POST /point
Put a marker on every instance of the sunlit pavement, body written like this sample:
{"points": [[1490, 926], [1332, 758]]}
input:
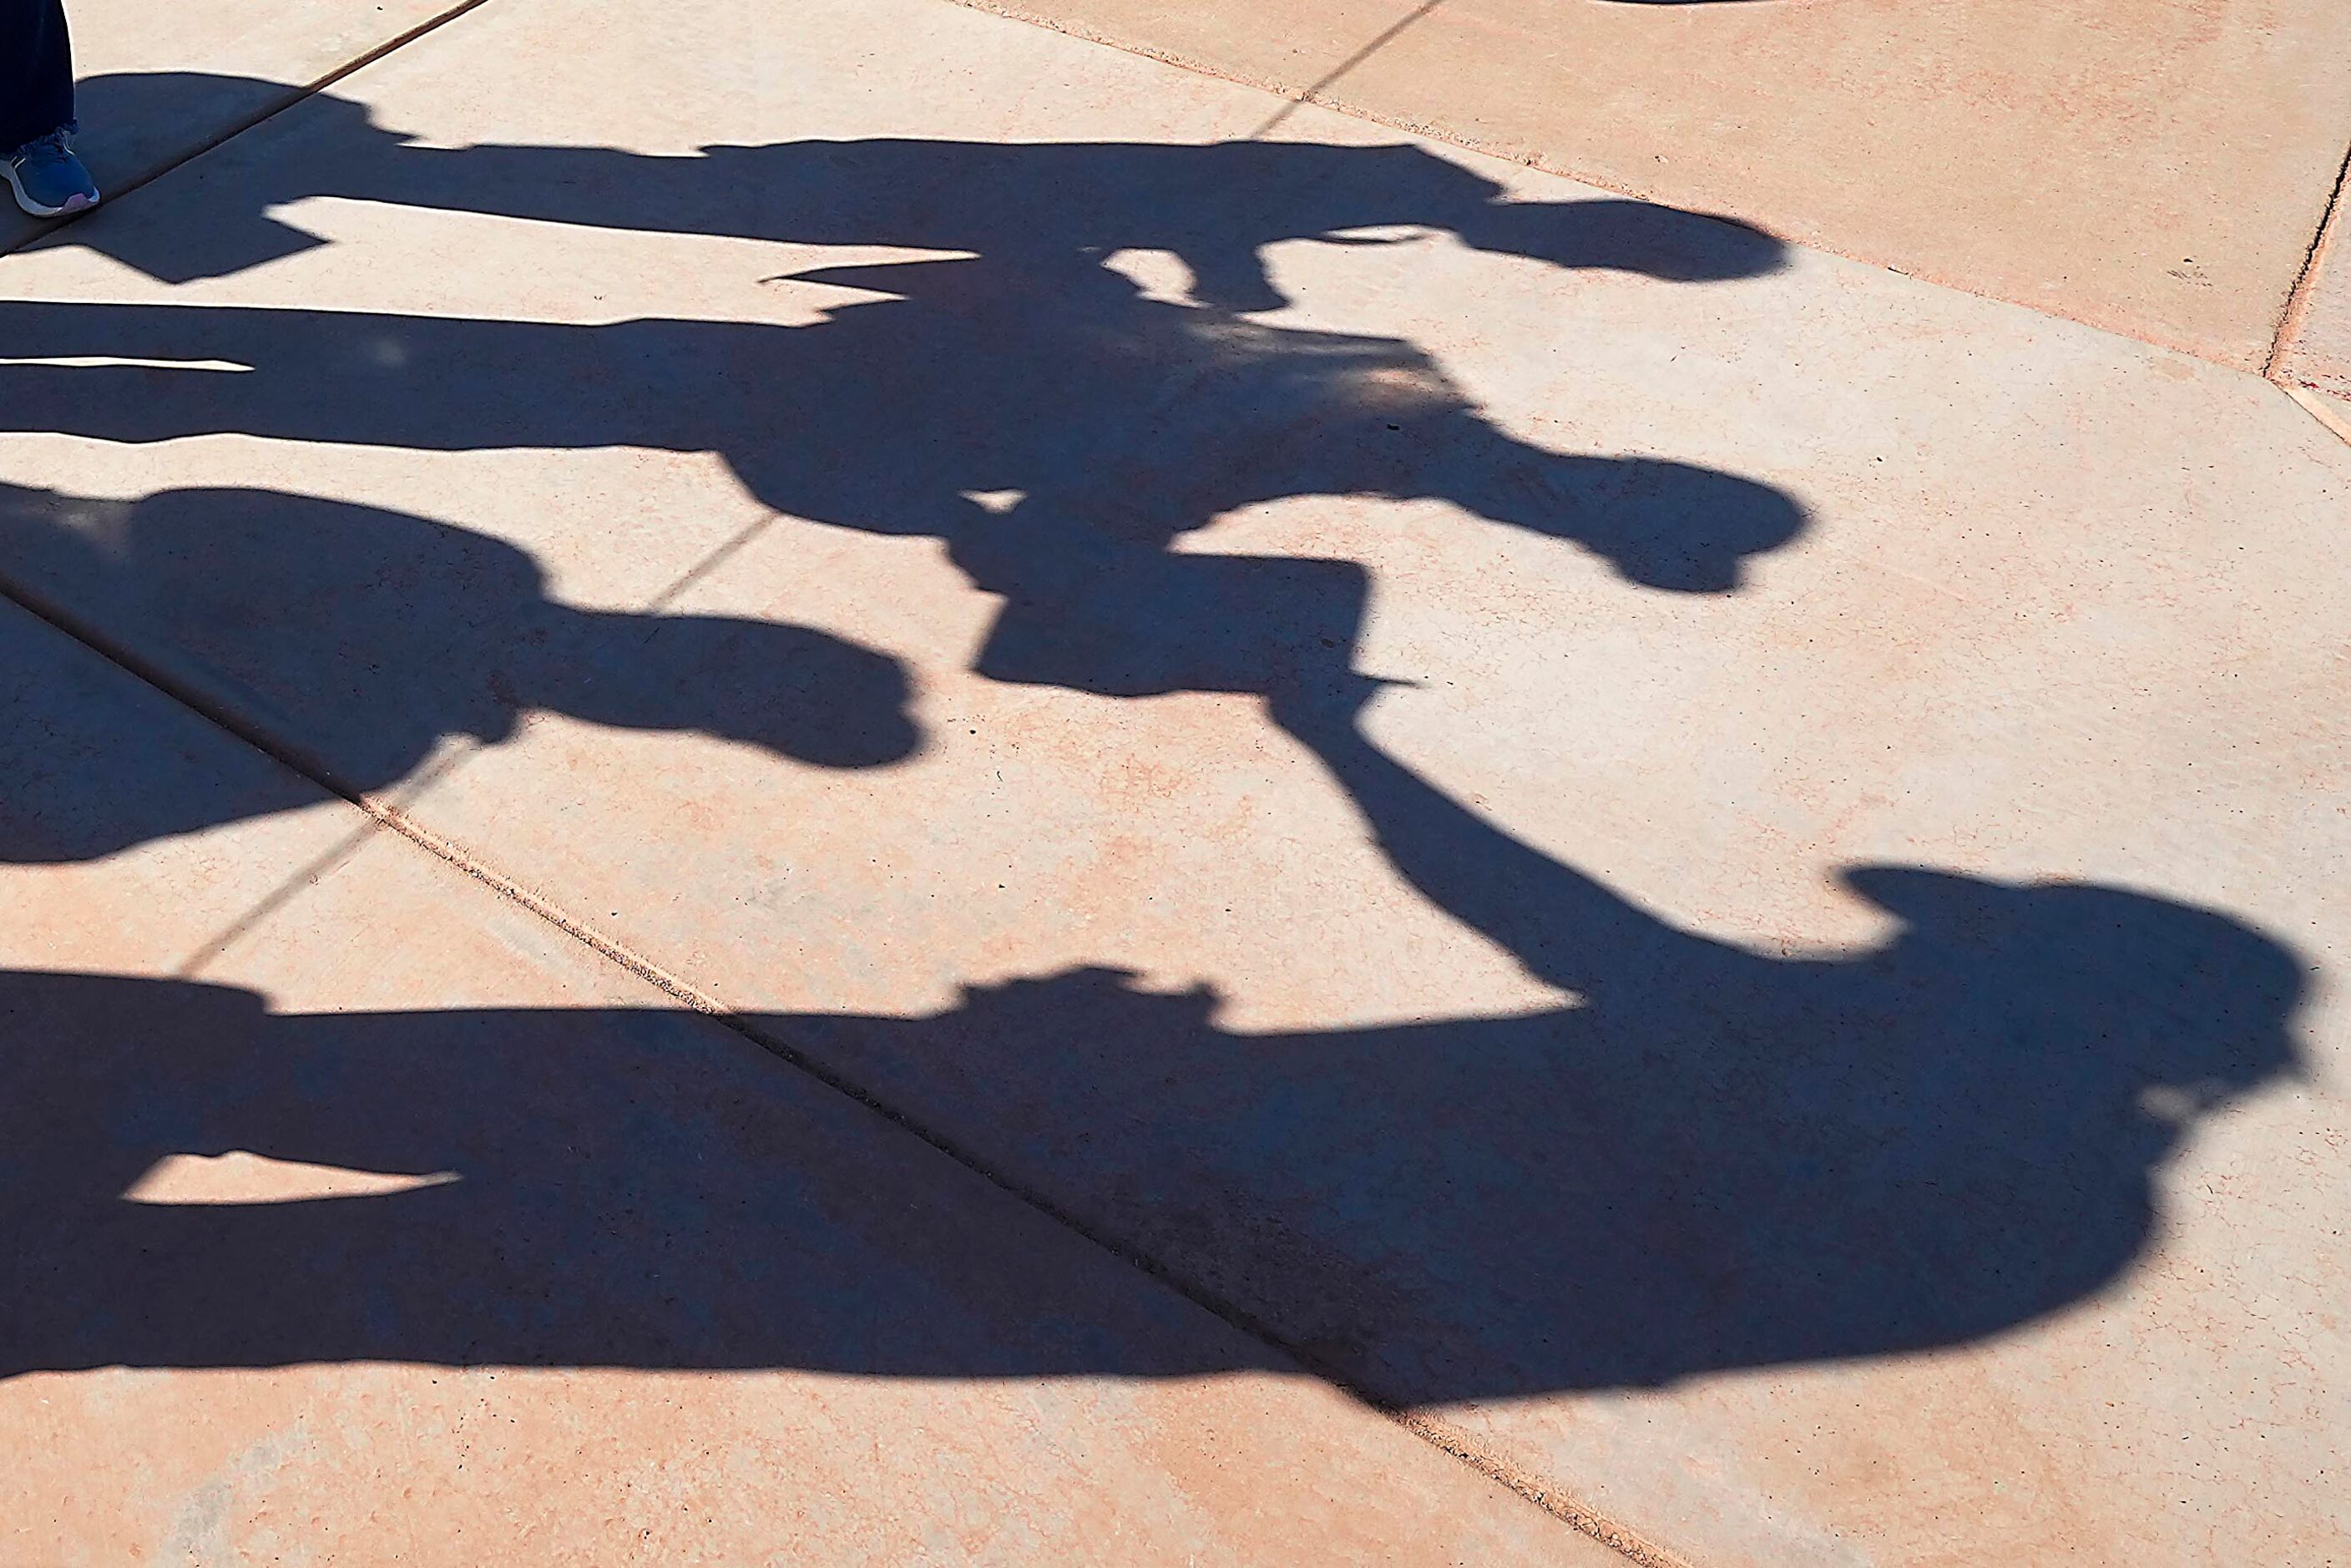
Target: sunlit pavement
{"points": [[873, 783]]}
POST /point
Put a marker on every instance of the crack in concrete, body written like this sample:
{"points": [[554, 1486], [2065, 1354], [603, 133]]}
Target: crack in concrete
{"points": [[2305, 282]]}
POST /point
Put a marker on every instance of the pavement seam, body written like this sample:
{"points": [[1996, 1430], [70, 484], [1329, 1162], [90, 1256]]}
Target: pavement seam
{"points": [[1006, 11], [1313, 91], [2305, 282], [727, 550], [435, 768], [296, 93], [2319, 406], [1626, 1544], [1439, 1433], [204, 954]]}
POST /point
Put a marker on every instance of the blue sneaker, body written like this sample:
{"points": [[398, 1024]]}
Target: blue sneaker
{"points": [[48, 180]]}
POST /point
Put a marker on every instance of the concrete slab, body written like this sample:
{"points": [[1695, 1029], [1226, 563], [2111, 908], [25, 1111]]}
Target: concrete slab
{"points": [[2159, 167], [1803, 1016], [158, 85], [396, 1226]]}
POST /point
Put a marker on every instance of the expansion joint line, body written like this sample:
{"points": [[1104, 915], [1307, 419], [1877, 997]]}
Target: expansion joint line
{"points": [[2305, 282], [1313, 92]]}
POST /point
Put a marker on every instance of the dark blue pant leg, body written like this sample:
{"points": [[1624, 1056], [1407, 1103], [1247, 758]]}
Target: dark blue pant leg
{"points": [[36, 94]]}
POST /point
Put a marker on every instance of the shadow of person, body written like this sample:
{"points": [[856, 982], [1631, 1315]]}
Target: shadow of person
{"points": [[1103, 424], [1716, 1159], [1721, 1159], [360, 637], [1713, 1159], [1029, 405], [1112, 417], [1215, 207], [515, 1188]]}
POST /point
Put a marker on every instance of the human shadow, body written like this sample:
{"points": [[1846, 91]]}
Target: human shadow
{"points": [[358, 637], [1112, 419], [1055, 427], [1712, 1158], [1716, 1158], [1031, 368], [1719, 1160], [585, 1188], [1114, 422], [1215, 207]]}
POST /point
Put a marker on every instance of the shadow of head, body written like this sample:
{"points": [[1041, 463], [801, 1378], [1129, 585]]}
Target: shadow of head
{"points": [[1662, 525], [373, 632], [1218, 207], [791, 690], [2177, 1008], [1644, 237]]}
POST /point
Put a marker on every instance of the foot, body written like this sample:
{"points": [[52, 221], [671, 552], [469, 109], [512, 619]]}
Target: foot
{"points": [[48, 180]]}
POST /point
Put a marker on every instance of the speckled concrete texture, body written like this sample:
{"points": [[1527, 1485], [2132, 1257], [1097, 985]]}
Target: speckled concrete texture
{"points": [[1715, 873]]}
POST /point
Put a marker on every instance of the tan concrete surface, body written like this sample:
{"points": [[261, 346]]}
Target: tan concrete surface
{"points": [[1289, 50], [399, 1227], [2154, 166], [1554, 1052], [157, 82]]}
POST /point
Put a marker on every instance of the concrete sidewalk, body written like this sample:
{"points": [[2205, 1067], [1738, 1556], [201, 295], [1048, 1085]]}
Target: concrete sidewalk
{"points": [[1398, 831], [559, 1169], [2159, 167]]}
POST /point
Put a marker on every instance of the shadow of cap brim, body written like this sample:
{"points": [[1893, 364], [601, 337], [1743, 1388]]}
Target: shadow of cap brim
{"points": [[1665, 243]]}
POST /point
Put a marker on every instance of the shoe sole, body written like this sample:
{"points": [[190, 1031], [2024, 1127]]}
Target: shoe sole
{"points": [[79, 204]]}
